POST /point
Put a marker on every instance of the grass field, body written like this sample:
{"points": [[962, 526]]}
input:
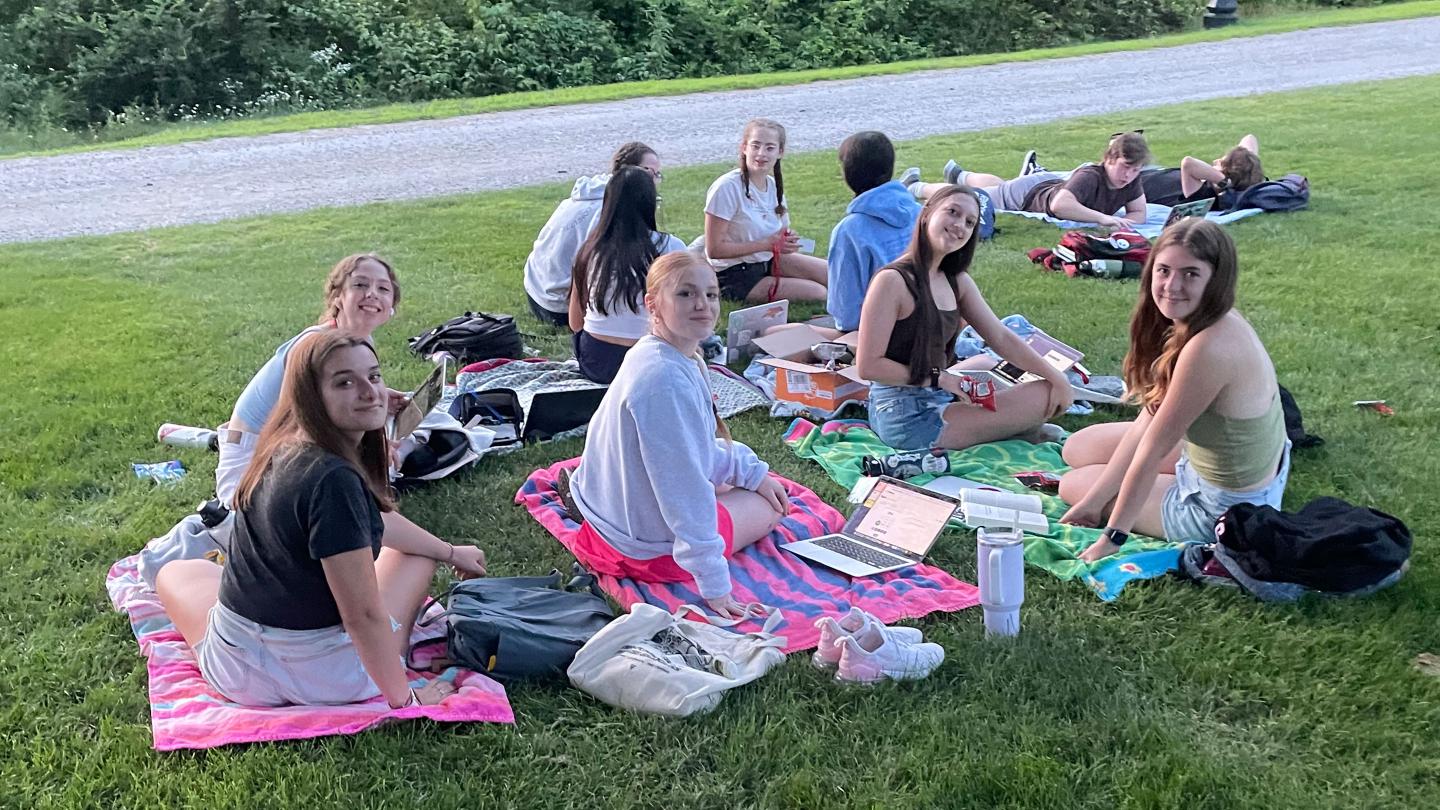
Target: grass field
{"points": [[1169, 697], [1272, 19]]}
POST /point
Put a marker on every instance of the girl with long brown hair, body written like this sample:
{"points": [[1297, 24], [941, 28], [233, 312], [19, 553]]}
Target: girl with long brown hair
{"points": [[1211, 432], [913, 311], [315, 601]]}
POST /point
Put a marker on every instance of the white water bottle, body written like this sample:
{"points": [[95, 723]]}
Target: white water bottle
{"points": [[1000, 564], [186, 436]]}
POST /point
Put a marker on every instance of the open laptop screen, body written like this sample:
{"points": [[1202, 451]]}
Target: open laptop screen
{"points": [[902, 517]]}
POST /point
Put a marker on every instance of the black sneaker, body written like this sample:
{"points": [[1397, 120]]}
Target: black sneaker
{"points": [[1029, 165]]}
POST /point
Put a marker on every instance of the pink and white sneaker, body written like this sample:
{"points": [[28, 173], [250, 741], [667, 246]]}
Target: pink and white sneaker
{"points": [[871, 656], [827, 654]]}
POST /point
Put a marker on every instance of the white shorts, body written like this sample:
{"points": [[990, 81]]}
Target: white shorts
{"points": [[255, 665]]}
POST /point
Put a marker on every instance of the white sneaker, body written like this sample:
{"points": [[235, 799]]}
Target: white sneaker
{"points": [[827, 654], [871, 656]]}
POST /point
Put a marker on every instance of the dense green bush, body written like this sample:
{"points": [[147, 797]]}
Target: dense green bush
{"points": [[79, 63]]}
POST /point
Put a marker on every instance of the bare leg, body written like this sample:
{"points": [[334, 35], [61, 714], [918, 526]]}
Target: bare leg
{"points": [[404, 580], [1149, 522], [1097, 443], [795, 289], [810, 268], [1017, 410], [188, 589], [751, 515], [982, 180]]}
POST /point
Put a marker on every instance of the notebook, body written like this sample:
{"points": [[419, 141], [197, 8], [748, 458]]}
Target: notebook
{"points": [[422, 400], [895, 526], [1198, 208]]}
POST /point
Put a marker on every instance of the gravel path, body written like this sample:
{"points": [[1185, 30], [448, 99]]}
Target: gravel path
{"points": [[208, 181]]}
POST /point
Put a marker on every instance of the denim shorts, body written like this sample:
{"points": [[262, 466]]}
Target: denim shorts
{"points": [[256, 665], [1192, 504], [907, 417]]}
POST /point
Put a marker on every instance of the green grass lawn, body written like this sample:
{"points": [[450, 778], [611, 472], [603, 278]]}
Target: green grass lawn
{"points": [[1169, 697], [1254, 22]]}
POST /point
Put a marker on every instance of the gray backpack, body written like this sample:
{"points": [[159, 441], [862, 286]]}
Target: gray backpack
{"points": [[522, 628]]}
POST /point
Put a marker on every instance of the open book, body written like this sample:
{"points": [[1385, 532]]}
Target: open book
{"points": [[1002, 510]]}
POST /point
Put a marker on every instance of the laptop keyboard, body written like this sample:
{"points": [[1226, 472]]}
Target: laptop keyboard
{"points": [[855, 551]]}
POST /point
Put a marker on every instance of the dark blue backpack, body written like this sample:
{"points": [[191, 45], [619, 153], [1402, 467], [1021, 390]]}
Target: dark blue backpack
{"points": [[1289, 193], [987, 215]]}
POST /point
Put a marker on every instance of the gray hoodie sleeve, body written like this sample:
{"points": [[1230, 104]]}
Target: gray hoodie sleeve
{"points": [[685, 464]]}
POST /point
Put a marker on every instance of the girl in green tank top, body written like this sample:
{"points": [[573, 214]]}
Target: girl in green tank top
{"points": [[1209, 403]]}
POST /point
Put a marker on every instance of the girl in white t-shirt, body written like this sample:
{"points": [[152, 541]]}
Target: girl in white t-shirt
{"points": [[607, 306], [746, 218]]}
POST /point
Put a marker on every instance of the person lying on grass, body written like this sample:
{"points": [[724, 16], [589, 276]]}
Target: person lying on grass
{"points": [[913, 312], [607, 310], [316, 599], [1093, 193], [1211, 432], [746, 219], [361, 293], [552, 257], [1229, 174], [664, 493]]}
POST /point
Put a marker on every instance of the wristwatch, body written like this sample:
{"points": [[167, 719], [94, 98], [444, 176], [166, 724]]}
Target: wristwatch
{"points": [[1115, 536], [934, 377]]}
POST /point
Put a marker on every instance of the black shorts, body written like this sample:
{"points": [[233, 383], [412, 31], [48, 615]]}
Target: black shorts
{"points": [[599, 361], [737, 280]]}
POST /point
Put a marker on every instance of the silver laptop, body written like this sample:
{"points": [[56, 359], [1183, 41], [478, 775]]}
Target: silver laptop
{"points": [[895, 526], [747, 324]]}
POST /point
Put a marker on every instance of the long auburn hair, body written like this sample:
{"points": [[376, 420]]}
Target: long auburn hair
{"points": [[617, 254], [750, 126], [340, 273], [913, 266], [300, 418], [1155, 340], [659, 280]]}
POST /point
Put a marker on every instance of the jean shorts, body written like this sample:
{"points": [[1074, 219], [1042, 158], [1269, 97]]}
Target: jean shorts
{"points": [[1192, 504], [908, 417], [256, 665]]}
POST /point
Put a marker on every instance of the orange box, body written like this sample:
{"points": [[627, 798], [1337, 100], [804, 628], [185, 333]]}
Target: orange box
{"points": [[801, 377]]}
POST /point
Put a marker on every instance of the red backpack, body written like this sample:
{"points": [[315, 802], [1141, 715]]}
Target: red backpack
{"points": [[1119, 255]]}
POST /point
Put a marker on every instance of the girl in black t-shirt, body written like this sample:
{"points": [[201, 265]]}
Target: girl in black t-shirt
{"points": [[308, 608]]}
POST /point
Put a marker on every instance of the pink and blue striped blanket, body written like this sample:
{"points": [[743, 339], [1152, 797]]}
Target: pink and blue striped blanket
{"points": [[763, 573], [186, 713]]}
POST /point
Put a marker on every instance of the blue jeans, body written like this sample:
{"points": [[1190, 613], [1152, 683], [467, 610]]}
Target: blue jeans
{"points": [[1192, 504], [907, 417]]}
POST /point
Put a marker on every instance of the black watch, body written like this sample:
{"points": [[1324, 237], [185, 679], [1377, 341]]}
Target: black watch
{"points": [[1115, 536], [934, 377]]}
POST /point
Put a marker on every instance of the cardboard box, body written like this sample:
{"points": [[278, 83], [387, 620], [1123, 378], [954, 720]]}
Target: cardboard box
{"points": [[800, 377]]}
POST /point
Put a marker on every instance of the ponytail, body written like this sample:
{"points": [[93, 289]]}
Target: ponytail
{"points": [[779, 190]]}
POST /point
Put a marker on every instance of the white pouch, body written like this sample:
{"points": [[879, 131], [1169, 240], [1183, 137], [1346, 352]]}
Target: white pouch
{"points": [[655, 662]]}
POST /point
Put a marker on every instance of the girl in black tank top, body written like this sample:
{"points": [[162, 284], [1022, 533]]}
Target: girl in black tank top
{"points": [[912, 315]]}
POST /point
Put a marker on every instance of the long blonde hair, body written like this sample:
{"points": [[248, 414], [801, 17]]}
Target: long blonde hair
{"points": [[661, 279]]}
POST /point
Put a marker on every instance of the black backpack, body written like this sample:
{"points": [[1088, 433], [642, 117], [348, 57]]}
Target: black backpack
{"points": [[1289, 193], [472, 337], [522, 628], [1328, 546]]}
